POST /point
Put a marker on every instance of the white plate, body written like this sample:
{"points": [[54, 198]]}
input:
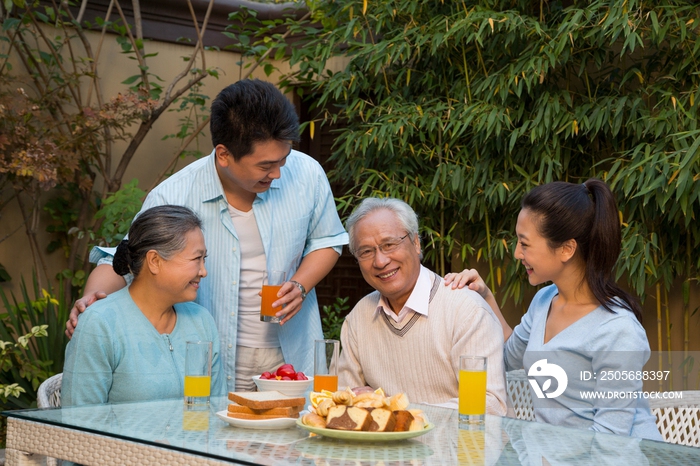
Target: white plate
{"points": [[262, 424]]}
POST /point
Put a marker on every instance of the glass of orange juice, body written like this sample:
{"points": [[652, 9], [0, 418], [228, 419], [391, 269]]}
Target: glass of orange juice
{"points": [[272, 282], [326, 365], [472, 389], [198, 373]]}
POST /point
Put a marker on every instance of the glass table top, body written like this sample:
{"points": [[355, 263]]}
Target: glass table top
{"points": [[502, 441]]}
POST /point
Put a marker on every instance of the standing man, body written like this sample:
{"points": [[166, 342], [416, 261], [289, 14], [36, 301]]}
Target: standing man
{"points": [[263, 207], [409, 334]]}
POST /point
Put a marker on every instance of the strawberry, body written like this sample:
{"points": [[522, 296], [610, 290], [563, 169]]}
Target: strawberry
{"points": [[286, 370]]}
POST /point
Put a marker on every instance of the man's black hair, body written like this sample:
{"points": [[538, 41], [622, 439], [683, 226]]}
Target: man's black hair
{"points": [[250, 111]]}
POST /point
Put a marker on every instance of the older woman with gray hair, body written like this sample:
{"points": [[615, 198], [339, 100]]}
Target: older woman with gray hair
{"points": [[130, 346]]}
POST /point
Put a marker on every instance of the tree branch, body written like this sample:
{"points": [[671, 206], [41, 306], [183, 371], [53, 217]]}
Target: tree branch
{"points": [[137, 50], [57, 60], [143, 130], [12, 232], [198, 46], [136, 5], [179, 152], [83, 4]]}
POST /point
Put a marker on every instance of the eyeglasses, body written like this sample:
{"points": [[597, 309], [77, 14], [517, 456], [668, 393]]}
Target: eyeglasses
{"points": [[386, 247]]}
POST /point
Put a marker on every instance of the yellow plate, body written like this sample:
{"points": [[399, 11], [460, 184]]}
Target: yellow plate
{"points": [[366, 436]]}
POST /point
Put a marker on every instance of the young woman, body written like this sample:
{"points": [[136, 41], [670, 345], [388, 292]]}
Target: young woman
{"points": [[130, 346], [584, 323]]}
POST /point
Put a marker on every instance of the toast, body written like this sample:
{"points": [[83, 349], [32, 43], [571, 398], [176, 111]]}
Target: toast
{"points": [[288, 411], [265, 400], [257, 417]]}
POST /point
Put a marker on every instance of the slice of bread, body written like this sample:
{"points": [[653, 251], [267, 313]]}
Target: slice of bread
{"points": [[265, 400], [287, 411], [257, 417]]}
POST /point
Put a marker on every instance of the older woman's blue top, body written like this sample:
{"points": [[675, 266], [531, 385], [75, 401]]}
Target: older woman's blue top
{"points": [[116, 354]]}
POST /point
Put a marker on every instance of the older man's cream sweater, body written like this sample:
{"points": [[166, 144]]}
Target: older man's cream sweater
{"points": [[420, 356]]}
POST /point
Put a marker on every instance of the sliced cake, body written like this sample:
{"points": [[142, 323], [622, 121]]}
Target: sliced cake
{"points": [[403, 421], [383, 420], [348, 418]]}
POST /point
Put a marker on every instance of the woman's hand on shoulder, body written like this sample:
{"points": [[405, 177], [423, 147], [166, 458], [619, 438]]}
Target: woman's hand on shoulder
{"points": [[469, 278], [472, 280]]}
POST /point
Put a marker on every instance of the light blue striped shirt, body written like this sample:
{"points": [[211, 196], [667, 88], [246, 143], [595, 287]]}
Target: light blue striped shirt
{"points": [[296, 216]]}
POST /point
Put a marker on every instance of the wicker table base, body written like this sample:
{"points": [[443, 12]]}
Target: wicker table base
{"points": [[85, 448]]}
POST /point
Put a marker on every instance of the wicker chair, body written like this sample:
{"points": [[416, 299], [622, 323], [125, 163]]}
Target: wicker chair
{"points": [[519, 392], [49, 396], [678, 419], [49, 393]]}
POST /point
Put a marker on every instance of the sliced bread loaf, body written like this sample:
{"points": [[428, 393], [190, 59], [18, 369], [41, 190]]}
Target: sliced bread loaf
{"points": [[265, 399], [287, 411]]}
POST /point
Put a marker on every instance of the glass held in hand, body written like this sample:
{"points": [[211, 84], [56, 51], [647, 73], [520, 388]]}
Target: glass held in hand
{"points": [[271, 285]]}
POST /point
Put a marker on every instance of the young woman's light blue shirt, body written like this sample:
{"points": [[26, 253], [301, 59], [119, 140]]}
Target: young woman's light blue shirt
{"points": [[601, 354]]}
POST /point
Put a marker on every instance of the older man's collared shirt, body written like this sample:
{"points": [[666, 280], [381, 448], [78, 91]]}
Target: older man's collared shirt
{"points": [[417, 302], [296, 216], [420, 356]]}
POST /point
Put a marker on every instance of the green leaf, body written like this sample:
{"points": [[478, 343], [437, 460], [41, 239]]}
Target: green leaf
{"points": [[132, 79], [4, 275], [10, 23]]}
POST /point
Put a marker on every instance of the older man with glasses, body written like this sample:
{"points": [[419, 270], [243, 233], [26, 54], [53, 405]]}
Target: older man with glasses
{"points": [[408, 335]]}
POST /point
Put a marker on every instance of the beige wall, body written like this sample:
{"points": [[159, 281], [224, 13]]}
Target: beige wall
{"points": [[152, 155]]}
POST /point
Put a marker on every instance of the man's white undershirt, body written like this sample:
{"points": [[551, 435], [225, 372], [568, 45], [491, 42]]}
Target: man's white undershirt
{"points": [[251, 331]]}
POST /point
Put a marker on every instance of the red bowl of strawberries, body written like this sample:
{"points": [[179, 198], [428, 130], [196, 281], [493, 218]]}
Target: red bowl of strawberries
{"points": [[285, 380]]}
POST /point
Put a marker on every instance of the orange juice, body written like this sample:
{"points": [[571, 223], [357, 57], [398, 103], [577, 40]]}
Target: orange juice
{"points": [[472, 392], [195, 420], [197, 385], [471, 447], [269, 296], [325, 382]]}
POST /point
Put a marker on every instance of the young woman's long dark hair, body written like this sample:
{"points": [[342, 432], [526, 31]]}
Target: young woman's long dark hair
{"points": [[588, 214]]}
